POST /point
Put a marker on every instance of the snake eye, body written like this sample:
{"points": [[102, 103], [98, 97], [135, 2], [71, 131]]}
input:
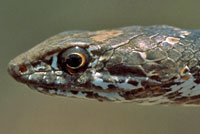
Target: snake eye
{"points": [[73, 60]]}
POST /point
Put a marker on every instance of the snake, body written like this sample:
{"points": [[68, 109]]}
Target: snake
{"points": [[146, 65]]}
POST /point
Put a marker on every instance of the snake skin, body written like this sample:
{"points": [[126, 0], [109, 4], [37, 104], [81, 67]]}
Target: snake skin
{"points": [[148, 65]]}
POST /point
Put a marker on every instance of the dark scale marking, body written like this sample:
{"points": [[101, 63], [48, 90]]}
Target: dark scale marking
{"points": [[155, 77], [194, 98], [168, 85], [74, 92], [182, 99], [95, 96], [197, 76], [125, 70], [110, 86], [192, 87], [134, 83], [129, 95], [173, 95]]}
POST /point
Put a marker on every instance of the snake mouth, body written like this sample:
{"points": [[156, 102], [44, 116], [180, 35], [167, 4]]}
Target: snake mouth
{"points": [[99, 95]]}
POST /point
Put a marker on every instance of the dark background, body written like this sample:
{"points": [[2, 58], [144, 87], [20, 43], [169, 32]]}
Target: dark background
{"points": [[25, 23]]}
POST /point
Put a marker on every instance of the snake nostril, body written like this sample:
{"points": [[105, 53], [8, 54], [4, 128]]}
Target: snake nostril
{"points": [[16, 71], [22, 68]]}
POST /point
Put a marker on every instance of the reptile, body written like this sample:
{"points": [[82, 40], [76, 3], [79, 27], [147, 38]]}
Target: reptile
{"points": [[156, 64]]}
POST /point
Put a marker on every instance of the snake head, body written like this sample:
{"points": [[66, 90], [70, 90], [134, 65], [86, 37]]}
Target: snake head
{"points": [[125, 64]]}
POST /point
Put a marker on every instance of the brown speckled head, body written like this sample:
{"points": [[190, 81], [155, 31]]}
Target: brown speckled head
{"points": [[148, 65]]}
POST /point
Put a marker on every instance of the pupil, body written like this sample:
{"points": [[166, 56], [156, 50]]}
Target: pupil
{"points": [[74, 60]]}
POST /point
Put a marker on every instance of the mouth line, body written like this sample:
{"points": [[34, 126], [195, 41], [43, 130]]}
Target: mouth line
{"points": [[55, 89], [99, 95]]}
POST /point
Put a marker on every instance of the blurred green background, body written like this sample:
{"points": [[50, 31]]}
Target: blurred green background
{"points": [[25, 23]]}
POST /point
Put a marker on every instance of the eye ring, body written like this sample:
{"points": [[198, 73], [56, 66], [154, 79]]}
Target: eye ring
{"points": [[83, 61], [73, 60]]}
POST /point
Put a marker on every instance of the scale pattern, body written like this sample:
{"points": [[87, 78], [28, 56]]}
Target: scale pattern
{"points": [[148, 65]]}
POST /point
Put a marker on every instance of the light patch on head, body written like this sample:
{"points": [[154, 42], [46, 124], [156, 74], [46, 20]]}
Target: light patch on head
{"points": [[36, 75], [98, 81], [65, 93], [111, 96], [143, 55], [184, 73], [30, 77], [54, 61], [60, 80], [93, 64], [187, 88], [59, 73], [172, 40], [184, 33], [78, 95], [40, 89], [70, 94], [106, 34], [78, 43], [39, 67], [52, 91]]}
